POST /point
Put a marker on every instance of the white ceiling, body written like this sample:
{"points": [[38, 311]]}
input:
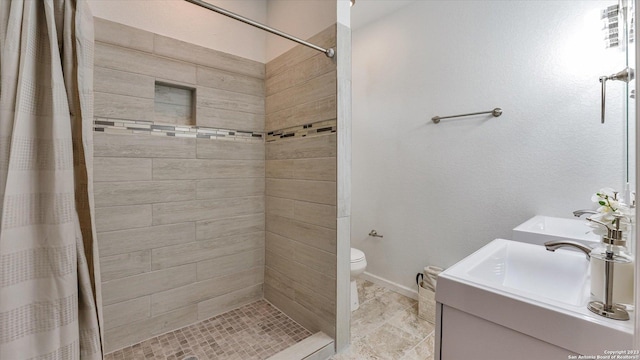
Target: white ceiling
{"points": [[366, 11]]}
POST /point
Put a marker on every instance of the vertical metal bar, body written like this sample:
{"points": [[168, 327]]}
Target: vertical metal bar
{"points": [[603, 97], [608, 281]]}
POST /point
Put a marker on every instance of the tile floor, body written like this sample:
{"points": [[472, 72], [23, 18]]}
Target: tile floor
{"points": [[254, 331], [387, 327]]}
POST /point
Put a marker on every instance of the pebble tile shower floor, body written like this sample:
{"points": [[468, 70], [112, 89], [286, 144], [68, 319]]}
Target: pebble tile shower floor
{"points": [[252, 332]]}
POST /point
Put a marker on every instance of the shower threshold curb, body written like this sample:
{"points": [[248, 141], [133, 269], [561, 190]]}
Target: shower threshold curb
{"points": [[318, 346]]}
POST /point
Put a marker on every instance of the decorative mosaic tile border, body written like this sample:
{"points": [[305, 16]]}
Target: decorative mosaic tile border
{"points": [[128, 127], [307, 130]]}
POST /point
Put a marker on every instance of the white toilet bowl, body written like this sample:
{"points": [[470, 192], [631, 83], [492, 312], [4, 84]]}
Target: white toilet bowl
{"points": [[358, 265]]}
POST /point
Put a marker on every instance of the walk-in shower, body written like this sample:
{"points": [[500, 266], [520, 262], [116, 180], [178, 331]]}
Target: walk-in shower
{"points": [[216, 193]]}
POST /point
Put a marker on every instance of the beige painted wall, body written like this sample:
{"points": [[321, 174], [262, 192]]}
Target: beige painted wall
{"points": [[302, 19], [181, 20], [187, 22]]}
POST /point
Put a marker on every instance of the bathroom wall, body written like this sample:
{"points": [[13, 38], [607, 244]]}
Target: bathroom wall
{"points": [[439, 192], [300, 272], [179, 211], [187, 22], [184, 21], [302, 19]]}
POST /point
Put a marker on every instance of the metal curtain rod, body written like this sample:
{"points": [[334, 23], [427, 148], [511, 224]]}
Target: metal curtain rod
{"points": [[329, 52], [495, 112]]}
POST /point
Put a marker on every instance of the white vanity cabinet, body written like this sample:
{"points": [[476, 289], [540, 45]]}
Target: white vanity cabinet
{"points": [[512, 300], [461, 335]]}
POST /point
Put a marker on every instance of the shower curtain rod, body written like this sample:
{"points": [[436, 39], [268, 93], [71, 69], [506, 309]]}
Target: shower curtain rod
{"points": [[329, 52]]}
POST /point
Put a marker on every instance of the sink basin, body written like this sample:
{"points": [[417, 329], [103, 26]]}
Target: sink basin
{"points": [[562, 276], [539, 293], [540, 229]]}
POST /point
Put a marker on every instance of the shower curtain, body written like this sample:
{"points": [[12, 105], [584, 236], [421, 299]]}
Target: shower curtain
{"points": [[48, 255]]}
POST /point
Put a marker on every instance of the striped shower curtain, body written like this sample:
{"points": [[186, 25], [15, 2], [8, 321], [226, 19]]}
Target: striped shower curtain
{"points": [[48, 253]]}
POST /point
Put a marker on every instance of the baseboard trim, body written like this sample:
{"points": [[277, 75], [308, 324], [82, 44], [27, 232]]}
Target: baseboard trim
{"points": [[390, 285]]}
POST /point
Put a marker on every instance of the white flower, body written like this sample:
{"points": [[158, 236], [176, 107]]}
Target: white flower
{"points": [[607, 192], [606, 197], [610, 209]]}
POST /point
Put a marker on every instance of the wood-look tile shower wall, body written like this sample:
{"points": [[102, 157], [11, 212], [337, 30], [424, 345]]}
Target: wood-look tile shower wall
{"points": [[181, 223], [300, 270]]}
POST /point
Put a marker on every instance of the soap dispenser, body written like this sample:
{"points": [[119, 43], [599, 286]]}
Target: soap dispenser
{"points": [[612, 271]]}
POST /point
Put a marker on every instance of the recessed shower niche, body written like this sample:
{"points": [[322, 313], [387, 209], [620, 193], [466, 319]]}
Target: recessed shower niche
{"points": [[174, 104]]}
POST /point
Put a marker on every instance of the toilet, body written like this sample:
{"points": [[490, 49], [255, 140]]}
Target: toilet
{"points": [[358, 265]]}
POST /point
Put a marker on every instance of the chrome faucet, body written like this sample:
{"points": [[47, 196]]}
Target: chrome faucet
{"points": [[579, 213], [555, 245]]}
